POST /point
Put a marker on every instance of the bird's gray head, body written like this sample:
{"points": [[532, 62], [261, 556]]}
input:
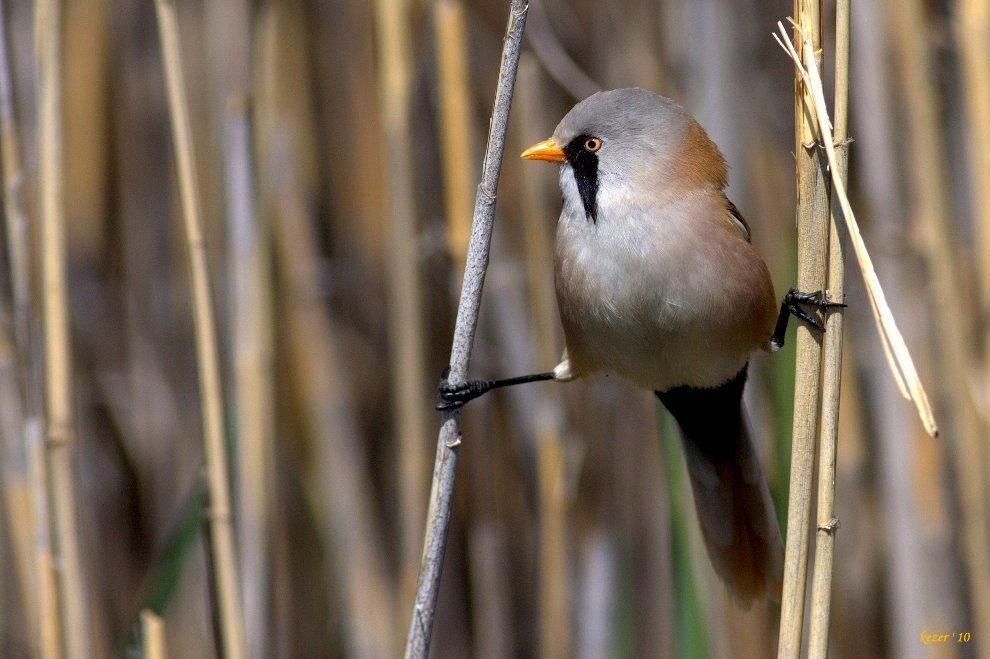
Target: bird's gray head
{"points": [[618, 138]]}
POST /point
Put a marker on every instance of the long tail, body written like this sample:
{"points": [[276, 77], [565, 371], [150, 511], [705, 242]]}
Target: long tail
{"points": [[731, 494]]}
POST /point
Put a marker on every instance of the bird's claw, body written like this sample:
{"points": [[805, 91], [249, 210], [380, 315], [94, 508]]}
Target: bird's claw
{"points": [[453, 396], [817, 298], [794, 298], [791, 306]]}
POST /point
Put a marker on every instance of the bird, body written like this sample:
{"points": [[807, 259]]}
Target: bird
{"points": [[657, 282]]}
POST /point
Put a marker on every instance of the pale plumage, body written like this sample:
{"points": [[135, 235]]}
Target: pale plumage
{"points": [[642, 289], [657, 282]]}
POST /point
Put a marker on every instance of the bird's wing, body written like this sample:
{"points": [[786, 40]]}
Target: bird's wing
{"points": [[740, 221]]}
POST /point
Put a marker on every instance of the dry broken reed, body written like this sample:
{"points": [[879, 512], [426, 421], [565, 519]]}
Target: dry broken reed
{"points": [[901, 364], [899, 359]]}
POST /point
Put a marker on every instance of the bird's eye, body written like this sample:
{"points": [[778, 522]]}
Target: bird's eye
{"points": [[592, 144]]}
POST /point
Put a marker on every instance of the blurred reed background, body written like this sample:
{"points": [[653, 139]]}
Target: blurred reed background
{"points": [[338, 146]]}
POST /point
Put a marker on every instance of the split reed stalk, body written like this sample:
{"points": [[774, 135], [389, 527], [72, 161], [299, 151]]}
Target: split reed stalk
{"points": [[221, 555], [929, 199], [555, 632], [812, 226], [37, 568], [59, 404], [449, 439], [900, 361], [403, 288], [821, 588]]}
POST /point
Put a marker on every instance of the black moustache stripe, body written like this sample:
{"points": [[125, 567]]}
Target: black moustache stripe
{"points": [[585, 166]]}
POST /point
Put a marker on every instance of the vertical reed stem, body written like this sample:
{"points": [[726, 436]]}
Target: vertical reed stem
{"points": [[555, 632], [50, 633], [972, 23], [252, 345], [449, 439], [336, 479], [812, 225], [16, 228], [59, 404], [455, 120], [222, 560], [40, 593], [929, 201], [405, 307], [249, 291], [821, 590], [972, 30], [152, 636]]}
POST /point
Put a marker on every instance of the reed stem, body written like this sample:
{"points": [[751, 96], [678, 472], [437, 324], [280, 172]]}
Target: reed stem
{"points": [[153, 636], [449, 439], [336, 477], [972, 32], [929, 201], [39, 593], [455, 120], [812, 225], [250, 313], [403, 288], [972, 22], [828, 524], [221, 556], [555, 631], [60, 436]]}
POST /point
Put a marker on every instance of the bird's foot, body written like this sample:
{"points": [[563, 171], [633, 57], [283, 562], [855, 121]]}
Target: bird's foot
{"points": [[791, 306], [794, 298], [453, 396]]}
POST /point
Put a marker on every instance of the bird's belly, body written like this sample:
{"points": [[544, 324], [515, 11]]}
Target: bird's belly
{"points": [[659, 323], [658, 352]]}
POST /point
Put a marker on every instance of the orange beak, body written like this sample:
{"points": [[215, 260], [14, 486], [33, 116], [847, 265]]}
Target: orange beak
{"points": [[545, 150]]}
